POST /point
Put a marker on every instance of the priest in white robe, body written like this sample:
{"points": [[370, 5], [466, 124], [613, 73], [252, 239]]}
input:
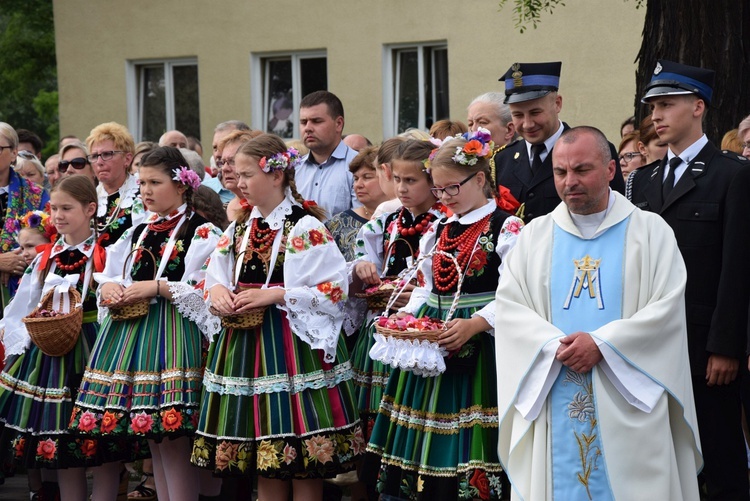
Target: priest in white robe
{"points": [[594, 390]]}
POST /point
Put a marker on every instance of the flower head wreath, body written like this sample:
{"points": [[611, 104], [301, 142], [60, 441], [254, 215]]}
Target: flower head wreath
{"points": [[437, 143], [478, 144], [188, 177], [37, 220], [280, 161]]}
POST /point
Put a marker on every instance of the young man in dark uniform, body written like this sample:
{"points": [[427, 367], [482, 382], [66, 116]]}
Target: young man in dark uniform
{"points": [[525, 167], [704, 195]]}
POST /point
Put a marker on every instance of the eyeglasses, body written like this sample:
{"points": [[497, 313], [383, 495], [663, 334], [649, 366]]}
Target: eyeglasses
{"points": [[627, 157], [104, 155], [452, 189], [77, 163], [27, 155], [745, 146], [5, 148], [225, 161]]}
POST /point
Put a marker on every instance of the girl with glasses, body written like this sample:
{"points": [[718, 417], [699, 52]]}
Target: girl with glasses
{"points": [[386, 246], [434, 435]]}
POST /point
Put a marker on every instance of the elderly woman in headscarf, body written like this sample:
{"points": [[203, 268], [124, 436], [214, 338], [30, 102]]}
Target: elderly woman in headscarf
{"points": [[17, 197]]}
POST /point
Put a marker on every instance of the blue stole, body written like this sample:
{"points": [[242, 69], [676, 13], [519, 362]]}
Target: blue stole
{"points": [[586, 293]]}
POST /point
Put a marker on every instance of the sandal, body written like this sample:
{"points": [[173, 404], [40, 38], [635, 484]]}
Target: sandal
{"points": [[141, 492]]}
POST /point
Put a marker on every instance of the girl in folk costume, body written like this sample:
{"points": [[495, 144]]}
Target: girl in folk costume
{"points": [[37, 390], [435, 433], [143, 377], [277, 398], [387, 246]]}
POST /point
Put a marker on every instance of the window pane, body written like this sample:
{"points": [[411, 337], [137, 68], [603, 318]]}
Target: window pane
{"points": [[440, 85], [313, 75], [153, 103], [280, 97], [186, 104], [408, 90]]}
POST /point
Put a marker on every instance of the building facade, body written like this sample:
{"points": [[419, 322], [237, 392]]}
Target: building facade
{"points": [[190, 64]]}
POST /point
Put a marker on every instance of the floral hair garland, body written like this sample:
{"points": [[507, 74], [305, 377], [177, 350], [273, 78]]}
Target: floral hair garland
{"points": [[36, 220], [188, 177], [437, 143], [280, 161], [478, 144]]}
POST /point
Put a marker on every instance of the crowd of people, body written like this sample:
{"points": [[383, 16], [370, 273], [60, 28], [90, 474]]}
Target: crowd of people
{"points": [[506, 308]]}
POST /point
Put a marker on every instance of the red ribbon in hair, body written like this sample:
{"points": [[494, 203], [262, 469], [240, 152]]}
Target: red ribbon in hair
{"points": [[308, 204], [245, 204], [505, 200], [46, 251]]}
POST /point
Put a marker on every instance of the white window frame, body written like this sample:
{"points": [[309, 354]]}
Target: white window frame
{"points": [[259, 84], [391, 75], [133, 84]]}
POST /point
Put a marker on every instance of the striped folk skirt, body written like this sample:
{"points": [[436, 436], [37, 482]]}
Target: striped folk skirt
{"points": [[272, 406], [36, 399], [143, 381], [436, 437], [370, 377]]}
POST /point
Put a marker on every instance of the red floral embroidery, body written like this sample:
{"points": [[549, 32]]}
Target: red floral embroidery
{"points": [[202, 232], [47, 449], [479, 480], [298, 243], [87, 422], [109, 422], [141, 423], [336, 294], [171, 419], [316, 237], [19, 447], [88, 447], [478, 261], [325, 287]]}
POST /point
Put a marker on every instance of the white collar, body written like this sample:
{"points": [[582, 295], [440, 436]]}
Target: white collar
{"points": [[175, 213], [3, 189], [589, 224], [127, 192], [689, 153], [276, 218], [86, 247], [549, 143], [475, 215]]}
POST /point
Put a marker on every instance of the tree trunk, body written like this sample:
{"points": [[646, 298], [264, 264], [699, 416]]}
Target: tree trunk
{"points": [[711, 34]]}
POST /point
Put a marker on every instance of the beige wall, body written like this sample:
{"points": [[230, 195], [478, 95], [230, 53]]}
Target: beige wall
{"points": [[597, 42]]}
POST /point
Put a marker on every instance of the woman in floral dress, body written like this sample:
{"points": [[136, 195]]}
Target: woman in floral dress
{"points": [[435, 434], [143, 379], [277, 398]]}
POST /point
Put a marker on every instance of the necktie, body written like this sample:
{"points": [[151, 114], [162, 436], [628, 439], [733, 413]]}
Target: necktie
{"points": [[666, 188], [536, 162]]}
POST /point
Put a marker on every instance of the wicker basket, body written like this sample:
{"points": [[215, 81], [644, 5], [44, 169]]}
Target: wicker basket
{"points": [[378, 300], [57, 335], [135, 308], [431, 336], [426, 335], [247, 320]]}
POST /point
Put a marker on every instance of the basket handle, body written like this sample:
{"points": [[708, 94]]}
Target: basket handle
{"points": [[411, 271], [388, 250], [240, 263], [130, 254]]}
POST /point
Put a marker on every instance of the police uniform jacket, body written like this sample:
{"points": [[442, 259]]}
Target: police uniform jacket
{"points": [[537, 192], [709, 211]]}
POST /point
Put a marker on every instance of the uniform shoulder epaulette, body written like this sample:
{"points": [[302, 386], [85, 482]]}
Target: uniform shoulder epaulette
{"points": [[735, 156]]}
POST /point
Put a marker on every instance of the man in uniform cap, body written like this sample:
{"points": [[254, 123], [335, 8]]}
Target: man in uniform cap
{"points": [[525, 167], [702, 193]]}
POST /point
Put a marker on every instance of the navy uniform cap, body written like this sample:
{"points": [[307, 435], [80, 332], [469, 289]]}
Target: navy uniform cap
{"points": [[527, 81], [671, 79]]}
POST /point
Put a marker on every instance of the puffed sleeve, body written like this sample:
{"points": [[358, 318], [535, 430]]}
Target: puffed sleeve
{"points": [[423, 272], [221, 265], [316, 286], [187, 295], [27, 297], [505, 242], [369, 243]]}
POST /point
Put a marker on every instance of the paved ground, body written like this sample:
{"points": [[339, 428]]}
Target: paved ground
{"points": [[16, 488]]}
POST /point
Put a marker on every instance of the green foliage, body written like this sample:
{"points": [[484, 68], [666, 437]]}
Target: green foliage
{"points": [[28, 71], [530, 11]]}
